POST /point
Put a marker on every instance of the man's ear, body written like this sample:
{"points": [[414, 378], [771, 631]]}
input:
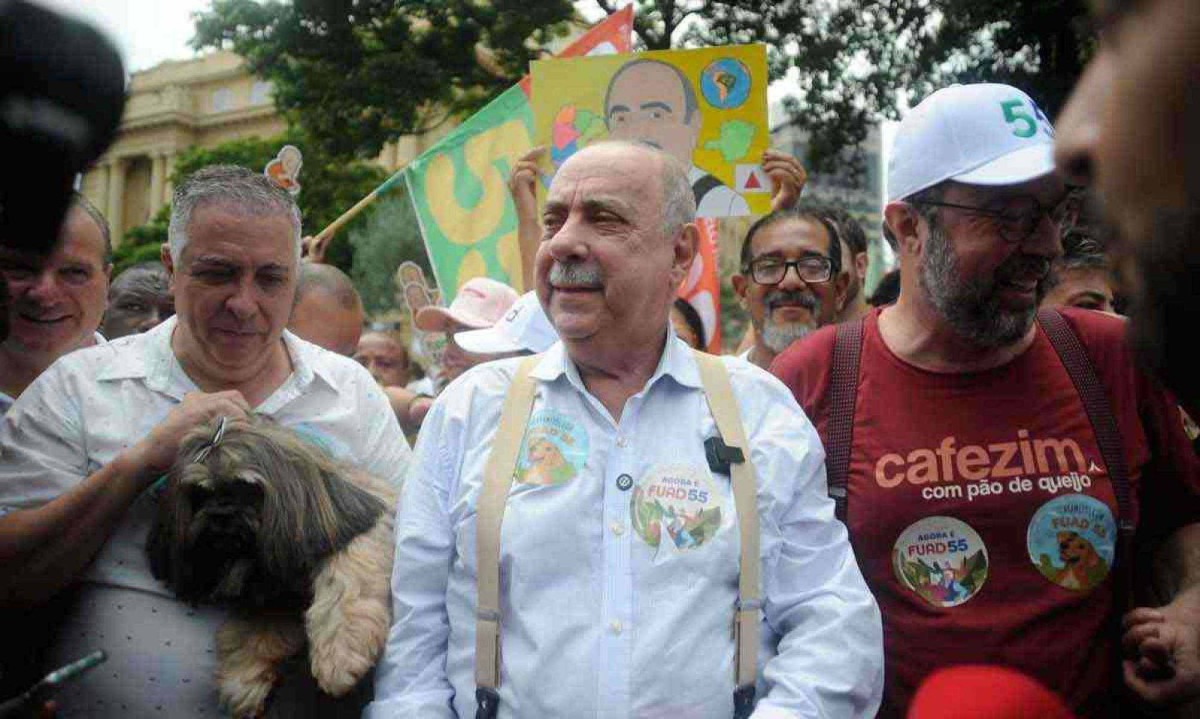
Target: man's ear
{"points": [[861, 261], [841, 282], [740, 285], [164, 254], [902, 219], [687, 246]]}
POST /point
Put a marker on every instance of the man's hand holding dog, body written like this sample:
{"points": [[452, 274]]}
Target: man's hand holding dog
{"points": [[156, 452]]}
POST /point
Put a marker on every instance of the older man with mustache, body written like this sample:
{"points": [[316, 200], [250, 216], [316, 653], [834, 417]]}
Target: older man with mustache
{"points": [[791, 281], [613, 587], [964, 436]]}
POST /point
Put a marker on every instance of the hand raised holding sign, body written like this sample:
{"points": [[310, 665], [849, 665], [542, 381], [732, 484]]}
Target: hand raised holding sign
{"points": [[788, 178]]}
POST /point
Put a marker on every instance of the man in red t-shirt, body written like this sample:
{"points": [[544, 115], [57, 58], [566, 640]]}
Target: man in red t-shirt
{"points": [[979, 501]]}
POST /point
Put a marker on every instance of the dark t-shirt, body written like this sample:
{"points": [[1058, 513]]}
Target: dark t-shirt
{"points": [[980, 508]]}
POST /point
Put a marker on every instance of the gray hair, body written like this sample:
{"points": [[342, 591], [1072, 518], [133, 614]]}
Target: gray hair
{"points": [[235, 187], [678, 200], [929, 194]]}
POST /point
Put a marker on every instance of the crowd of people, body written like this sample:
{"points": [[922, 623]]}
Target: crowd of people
{"points": [[969, 493]]}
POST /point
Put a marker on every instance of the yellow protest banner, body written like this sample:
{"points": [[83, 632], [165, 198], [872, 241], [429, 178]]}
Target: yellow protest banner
{"points": [[707, 107]]}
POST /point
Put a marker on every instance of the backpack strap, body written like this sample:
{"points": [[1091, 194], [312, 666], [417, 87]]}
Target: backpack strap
{"points": [[493, 496], [1104, 425], [719, 392], [843, 390]]}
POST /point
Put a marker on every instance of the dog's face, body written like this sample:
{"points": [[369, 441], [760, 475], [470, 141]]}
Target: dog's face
{"points": [[1073, 549], [248, 522]]}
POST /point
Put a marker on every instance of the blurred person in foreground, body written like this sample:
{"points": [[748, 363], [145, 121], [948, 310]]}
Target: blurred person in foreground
{"points": [[138, 300], [55, 303], [613, 442], [1131, 130], [999, 468], [328, 311]]}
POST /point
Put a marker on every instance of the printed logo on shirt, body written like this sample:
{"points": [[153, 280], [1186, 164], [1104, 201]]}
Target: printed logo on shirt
{"points": [[942, 560], [973, 471], [1072, 541], [554, 450], [677, 503]]}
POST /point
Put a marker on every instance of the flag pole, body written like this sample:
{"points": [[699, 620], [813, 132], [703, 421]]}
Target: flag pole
{"points": [[333, 227]]}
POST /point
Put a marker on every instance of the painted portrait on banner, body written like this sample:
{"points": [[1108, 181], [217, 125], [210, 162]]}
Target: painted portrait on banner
{"points": [[707, 107]]}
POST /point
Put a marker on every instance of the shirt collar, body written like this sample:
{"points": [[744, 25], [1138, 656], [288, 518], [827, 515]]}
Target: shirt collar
{"points": [[676, 362], [160, 368]]}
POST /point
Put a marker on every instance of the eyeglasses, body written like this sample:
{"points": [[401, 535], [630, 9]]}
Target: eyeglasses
{"points": [[1017, 220], [772, 270]]}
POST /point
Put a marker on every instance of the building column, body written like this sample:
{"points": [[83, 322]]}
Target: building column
{"points": [[103, 171], [158, 171], [116, 199], [168, 170]]}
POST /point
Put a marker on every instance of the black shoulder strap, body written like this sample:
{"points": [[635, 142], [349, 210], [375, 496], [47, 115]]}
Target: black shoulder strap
{"points": [[1104, 424], [843, 390], [703, 186]]}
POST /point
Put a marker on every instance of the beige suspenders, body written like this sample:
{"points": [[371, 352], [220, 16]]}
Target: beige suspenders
{"points": [[497, 480]]}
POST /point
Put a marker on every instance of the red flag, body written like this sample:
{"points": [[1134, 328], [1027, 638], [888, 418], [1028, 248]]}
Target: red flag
{"points": [[702, 287], [613, 35]]}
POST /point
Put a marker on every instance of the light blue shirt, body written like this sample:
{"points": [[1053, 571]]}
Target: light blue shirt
{"points": [[619, 558]]}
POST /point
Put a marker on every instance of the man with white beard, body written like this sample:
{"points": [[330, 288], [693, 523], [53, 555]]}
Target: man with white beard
{"points": [[791, 281]]}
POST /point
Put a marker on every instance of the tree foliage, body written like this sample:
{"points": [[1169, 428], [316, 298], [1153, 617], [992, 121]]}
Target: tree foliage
{"points": [[355, 74], [328, 187], [390, 236], [859, 61]]}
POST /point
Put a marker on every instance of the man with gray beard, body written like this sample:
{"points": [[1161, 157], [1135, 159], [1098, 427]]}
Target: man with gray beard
{"points": [[994, 464], [791, 281]]}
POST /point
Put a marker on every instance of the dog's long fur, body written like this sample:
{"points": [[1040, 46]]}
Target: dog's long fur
{"points": [[299, 546]]}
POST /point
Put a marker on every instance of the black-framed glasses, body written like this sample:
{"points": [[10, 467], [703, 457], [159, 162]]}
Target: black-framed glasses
{"points": [[1017, 220], [772, 270]]}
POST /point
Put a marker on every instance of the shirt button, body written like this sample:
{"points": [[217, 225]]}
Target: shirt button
{"points": [[617, 528], [615, 626], [624, 482], [621, 442]]}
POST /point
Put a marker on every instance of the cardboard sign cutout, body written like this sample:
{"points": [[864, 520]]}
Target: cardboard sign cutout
{"points": [[707, 107]]}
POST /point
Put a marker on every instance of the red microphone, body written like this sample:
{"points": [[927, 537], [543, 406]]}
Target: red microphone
{"points": [[985, 692]]}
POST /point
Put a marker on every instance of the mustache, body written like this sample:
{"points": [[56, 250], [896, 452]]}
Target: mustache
{"points": [[1023, 267], [806, 300], [576, 274]]}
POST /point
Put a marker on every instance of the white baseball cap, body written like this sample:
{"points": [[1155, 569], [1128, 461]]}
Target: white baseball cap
{"points": [[983, 134], [524, 327], [480, 302]]}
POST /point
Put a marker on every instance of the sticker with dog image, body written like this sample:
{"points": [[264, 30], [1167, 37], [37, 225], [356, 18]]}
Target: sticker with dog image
{"points": [[554, 450], [1072, 541], [678, 503], [942, 560]]}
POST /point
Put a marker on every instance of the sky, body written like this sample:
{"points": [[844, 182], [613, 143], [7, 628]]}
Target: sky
{"points": [[145, 31]]}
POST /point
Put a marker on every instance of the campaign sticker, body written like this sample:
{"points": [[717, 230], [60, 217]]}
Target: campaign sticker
{"points": [[1072, 540], [678, 503], [554, 450], [941, 559]]}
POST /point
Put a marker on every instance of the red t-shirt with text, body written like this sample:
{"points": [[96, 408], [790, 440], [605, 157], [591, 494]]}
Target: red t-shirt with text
{"points": [[980, 509]]}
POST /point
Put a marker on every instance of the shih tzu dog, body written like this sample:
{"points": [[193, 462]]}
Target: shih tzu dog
{"points": [[298, 546]]}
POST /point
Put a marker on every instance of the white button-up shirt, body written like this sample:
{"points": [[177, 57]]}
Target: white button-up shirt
{"points": [[89, 406], [619, 557]]}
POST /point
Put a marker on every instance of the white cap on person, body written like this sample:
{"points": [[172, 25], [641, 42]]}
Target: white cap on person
{"points": [[524, 327], [982, 134], [480, 302]]}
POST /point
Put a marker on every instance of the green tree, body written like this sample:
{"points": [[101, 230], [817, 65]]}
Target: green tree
{"points": [[328, 187], [859, 61], [389, 236], [355, 74]]}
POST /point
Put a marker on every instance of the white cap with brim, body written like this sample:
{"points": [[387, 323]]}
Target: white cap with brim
{"points": [[524, 328], [982, 134]]}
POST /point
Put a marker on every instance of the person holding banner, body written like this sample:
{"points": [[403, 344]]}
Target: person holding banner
{"points": [[634, 525]]}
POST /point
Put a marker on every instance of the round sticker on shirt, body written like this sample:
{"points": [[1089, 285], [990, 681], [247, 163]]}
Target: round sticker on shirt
{"points": [[678, 503], [1072, 541], [942, 560], [554, 450]]}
